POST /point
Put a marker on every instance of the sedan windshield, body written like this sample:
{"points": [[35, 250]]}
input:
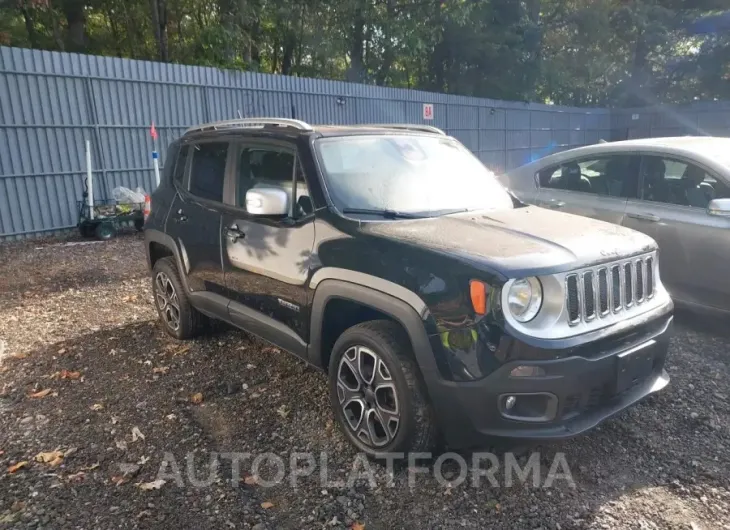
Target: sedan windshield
{"points": [[400, 175]]}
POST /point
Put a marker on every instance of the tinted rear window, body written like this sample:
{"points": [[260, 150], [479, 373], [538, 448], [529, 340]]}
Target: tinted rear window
{"points": [[208, 170]]}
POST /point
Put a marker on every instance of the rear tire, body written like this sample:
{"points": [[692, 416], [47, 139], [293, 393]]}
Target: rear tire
{"points": [[178, 317], [376, 391]]}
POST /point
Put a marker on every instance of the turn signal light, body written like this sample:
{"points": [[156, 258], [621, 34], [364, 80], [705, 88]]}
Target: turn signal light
{"points": [[478, 291]]}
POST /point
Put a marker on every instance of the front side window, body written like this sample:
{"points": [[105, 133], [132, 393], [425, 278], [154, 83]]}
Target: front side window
{"points": [[613, 176], [264, 167], [208, 170], [419, 175], [677, 182]]}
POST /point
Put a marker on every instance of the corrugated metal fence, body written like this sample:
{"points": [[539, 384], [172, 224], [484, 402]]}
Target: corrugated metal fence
{"points": [[51, 102], [697, 119]]}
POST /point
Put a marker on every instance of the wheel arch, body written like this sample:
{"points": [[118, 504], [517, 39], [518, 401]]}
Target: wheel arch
{"points": [[159, 245], [375, 302]]}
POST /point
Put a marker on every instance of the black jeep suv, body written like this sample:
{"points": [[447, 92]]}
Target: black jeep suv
{"points": [[391, 258]]}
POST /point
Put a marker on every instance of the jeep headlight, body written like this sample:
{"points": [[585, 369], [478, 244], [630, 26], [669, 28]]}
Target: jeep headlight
{"points": [[524, 299]]}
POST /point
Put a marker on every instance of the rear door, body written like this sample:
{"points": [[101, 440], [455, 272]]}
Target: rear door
{"points": [[267, 262], [194, 221], [595, 187], [694, 246]]}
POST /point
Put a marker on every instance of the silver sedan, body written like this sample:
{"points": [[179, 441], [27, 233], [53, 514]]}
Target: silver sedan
{"points": [[676, 190]]}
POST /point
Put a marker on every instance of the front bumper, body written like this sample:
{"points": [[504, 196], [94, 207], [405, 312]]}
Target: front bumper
{"points": [[582, 390]]}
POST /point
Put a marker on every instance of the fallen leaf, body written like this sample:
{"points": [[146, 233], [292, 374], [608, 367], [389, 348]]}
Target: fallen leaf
{"points": [[154, 485], [121, 444], [357, 526], [283, 411], [137, 434], [196, 398], [251, 480], [182, 350], [52, 458], [267, 504], [41, 394], [97, 407], [118, 481], [20, 465], [76, 476], [160, 369], [65, 374], [2, 453], [142, 461], [61, 351], [19, 356], [70, 451], [270, 350], [92, 467]]}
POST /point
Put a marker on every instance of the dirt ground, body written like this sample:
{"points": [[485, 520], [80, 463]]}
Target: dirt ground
{"points": [[94, 397]]}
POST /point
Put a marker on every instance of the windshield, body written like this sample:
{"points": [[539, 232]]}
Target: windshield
{"points": [[428, 175]]}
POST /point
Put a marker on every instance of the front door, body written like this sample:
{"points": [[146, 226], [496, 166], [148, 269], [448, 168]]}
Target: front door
{"points": [[195, 216], [266, 259], [595, 187], [694, 246]]}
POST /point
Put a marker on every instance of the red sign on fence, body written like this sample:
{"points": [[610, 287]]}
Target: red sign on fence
{"points": [[428, 111]]}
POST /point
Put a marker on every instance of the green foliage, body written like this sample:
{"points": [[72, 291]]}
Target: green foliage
{"points": [[578, 52]]}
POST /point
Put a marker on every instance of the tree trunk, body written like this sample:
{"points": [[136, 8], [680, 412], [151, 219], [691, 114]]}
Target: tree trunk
{"points": [[29, 27], [639, 74], [76, 22], [159, 23], [389, 52], [356, 71]]}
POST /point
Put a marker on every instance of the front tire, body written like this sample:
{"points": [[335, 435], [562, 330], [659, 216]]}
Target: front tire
{"points": [[376, 392], [178, 317]]}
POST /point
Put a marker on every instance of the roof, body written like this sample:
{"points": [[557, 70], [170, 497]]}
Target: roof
{"points": [[714, 151], [298, 126]]}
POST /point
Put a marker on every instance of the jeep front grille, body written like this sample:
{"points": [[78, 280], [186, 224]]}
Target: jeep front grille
{"points": [[597, 291]]}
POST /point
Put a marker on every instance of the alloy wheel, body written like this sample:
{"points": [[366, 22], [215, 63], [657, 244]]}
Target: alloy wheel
{"points": [[167, 300], [367, 395]]}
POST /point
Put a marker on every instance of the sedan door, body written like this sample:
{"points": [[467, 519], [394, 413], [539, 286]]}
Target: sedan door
{"points": [[595, 187], [694, 246]]}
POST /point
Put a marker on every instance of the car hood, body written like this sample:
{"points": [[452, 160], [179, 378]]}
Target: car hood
{"points": [[519, 242]]}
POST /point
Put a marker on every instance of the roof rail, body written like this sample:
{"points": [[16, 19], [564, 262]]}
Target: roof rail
{"points": [[251, 123], [405, 126]]}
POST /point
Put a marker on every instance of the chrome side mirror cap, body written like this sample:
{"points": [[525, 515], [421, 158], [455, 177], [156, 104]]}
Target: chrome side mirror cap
{"points": [[267, 201], [719, 207]]}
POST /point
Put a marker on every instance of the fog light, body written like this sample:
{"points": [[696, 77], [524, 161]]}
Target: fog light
{"points": [[527, 371], [510, 402]]}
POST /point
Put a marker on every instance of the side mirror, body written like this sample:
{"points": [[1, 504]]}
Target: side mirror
{"points": [[267, 201], [719, 207]]}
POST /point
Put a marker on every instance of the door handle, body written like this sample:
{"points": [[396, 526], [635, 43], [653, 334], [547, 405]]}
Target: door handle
{"points": [[234, 233], [181, 217], [644, 217]]}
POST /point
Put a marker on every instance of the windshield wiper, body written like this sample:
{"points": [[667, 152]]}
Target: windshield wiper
{"points": [[388, 214]]}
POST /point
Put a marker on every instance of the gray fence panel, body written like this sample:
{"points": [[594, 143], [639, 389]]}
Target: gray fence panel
{"points": [[51, 103]]}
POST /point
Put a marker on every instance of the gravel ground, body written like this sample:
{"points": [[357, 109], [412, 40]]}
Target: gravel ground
{"points": [[88, 378]]}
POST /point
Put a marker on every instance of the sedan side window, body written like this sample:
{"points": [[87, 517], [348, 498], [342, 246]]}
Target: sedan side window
{"points": [[614, 176], [676, 182]]}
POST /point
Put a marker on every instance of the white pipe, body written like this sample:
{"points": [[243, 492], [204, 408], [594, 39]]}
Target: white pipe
{"points": [[156, 165], [89, 180]]}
